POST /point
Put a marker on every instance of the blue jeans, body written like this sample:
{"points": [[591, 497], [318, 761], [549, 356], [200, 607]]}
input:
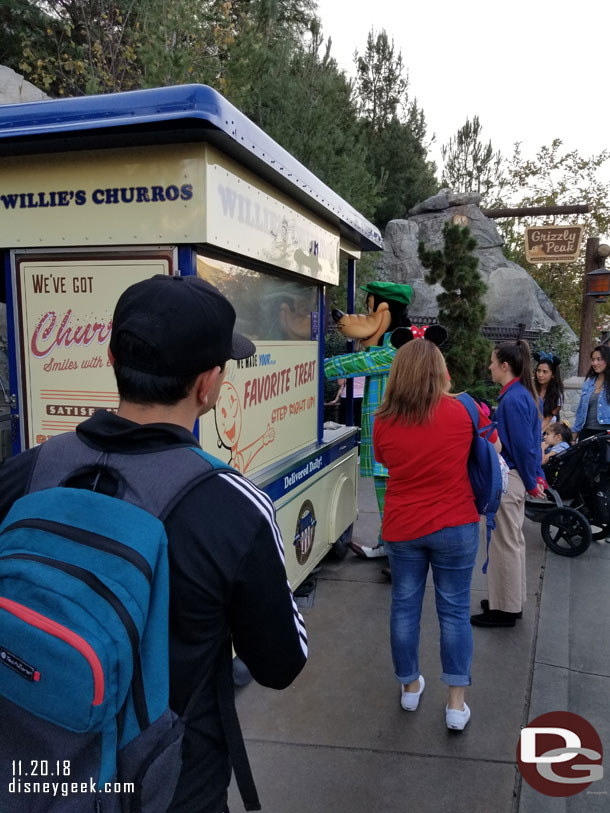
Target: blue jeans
{"points": [[452, 553]]}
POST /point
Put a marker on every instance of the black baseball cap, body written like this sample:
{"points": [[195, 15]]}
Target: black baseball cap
{"points": [[185, 323]]}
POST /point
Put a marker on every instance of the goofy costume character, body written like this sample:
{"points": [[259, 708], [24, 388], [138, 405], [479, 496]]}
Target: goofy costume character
{"points": [[387, 306], [384, 329]]}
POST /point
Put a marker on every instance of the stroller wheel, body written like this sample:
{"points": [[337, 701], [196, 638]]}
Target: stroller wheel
{"points": [[566, 531]]}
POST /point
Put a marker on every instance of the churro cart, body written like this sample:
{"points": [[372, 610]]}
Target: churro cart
{"points": [[99, 192]]}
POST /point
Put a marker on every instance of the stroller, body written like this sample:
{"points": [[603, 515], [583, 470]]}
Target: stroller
{"points": [[579, 496]]}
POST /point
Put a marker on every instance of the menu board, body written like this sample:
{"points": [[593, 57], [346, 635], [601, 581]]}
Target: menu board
{"points": [[267, 406], [64, 309]]}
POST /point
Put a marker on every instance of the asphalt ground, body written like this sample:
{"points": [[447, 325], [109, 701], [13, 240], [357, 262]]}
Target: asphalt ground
{"points": [[337, 740]]}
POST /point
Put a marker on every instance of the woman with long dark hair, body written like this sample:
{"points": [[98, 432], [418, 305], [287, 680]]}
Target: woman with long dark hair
{"points": [[519, 426], [423, 436], [593, 412], [549, 386]]}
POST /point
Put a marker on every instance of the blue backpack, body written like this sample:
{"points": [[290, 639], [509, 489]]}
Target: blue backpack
{"points": [[483, 470], [84, 601]]}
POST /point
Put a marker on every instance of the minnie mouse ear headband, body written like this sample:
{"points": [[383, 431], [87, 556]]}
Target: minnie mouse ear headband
{"points": [[433, 333], [543, 357]]}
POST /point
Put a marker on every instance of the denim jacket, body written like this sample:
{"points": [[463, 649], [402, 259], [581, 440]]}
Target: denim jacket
{"points": [[603, 407]]}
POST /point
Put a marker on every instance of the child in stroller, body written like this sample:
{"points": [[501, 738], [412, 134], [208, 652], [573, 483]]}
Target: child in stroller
{"points": [[579, 497], [557, 438]]}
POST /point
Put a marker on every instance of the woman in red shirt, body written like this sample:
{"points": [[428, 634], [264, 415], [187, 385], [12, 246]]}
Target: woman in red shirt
{"points": [[422, 434]]}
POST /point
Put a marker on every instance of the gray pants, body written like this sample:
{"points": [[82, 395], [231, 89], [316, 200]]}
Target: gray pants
{"points": [[506, 570]]}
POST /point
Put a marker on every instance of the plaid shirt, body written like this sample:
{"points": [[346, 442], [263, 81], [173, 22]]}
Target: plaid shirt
{"points": [[375, 364]]}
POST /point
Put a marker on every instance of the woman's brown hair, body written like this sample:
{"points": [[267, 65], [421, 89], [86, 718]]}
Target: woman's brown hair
{"points": [[517, 356], [417, 382]]}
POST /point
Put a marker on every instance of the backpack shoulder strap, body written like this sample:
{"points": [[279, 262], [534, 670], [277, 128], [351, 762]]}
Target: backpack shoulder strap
{"points": [[152, 480], [225, 697], [470, 405]]}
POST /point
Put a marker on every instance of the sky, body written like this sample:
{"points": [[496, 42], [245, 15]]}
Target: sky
{"points": [[532, 71]]}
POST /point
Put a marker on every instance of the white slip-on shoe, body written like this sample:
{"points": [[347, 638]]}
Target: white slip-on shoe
{"points": [[365, 552], [410, 700], [374, 552], [456, 720]]}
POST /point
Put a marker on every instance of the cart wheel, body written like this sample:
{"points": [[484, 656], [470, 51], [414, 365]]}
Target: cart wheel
{"points": [[605, 532], [566, 531], [339, 548]]}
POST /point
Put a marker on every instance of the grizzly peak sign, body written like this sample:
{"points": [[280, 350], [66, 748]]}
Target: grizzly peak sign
{"points": [[552, 244]]}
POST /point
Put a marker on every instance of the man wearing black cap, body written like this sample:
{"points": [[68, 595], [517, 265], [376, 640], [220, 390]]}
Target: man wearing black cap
{"points": [[171, 338]]}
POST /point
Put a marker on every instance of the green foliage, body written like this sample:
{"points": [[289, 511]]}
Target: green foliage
{"points": [[298, 96], [76, 47], [17, 17], [557, 341], [394, 130], [470, 165], [404, 175], [557, 177], [365, 139], [382, 85], [461, 308]]}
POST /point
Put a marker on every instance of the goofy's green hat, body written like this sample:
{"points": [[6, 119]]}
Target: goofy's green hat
{"points": [[390, 290]]}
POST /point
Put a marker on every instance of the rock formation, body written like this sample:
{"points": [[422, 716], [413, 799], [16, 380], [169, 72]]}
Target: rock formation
{"points": [[513, 296], [14, 88]]}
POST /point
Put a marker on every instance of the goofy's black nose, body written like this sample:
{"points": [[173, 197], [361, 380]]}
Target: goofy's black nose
{"points": [[337, 314]]}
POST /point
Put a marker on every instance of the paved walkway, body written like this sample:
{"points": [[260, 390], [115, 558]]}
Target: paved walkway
{"points": [[337, 740]]}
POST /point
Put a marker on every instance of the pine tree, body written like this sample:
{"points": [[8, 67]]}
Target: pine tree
{"points": [[461, 307], [394, 128], [472, 166]]}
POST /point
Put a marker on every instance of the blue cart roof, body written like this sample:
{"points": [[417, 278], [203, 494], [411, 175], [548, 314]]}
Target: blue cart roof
{"points": [[176, 115]]}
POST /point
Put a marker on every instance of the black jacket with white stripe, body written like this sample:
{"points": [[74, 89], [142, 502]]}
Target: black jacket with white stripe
{"points": [[227, 575]]}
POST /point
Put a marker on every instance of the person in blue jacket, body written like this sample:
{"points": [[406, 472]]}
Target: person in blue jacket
{"points": [[519, 418], [593, 412]]}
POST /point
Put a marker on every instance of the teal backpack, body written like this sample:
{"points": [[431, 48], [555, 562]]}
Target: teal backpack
{"points": [[84, 601]]}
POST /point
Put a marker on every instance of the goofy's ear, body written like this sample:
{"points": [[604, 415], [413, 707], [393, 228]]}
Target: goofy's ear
{"points": [[400, 336], [436, 334]]}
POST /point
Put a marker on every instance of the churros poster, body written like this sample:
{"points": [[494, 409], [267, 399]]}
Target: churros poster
{"points": [[64, 313], [267, 406]]}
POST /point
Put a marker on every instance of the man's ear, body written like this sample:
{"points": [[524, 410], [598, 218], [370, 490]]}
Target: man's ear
{"points": [[204, 384]]}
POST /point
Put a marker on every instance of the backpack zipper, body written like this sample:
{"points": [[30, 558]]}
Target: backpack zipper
{"points": [[88, 538], [102, 590], [69, 637]]}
